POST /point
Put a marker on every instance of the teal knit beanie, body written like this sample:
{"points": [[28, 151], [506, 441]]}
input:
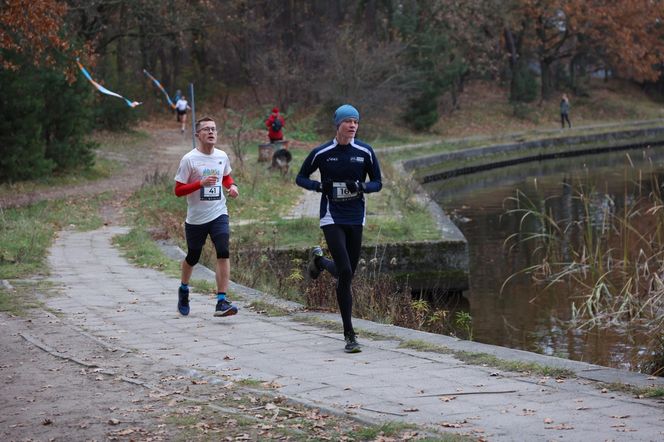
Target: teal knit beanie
{"points": [[345, 111]]}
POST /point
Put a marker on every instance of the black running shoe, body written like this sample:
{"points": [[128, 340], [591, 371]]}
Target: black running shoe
{"points": [[312, 268], [225, 308], [183, 301], [351, 344]]}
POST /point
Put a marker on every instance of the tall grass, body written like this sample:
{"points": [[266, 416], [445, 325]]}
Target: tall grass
{"points": [[27, 232], [610, 256], [379, 298]]}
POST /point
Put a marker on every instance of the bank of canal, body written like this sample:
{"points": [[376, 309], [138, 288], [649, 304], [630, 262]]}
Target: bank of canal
{"points": [[522, 315]]}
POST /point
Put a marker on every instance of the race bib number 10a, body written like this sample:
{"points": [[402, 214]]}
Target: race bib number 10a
{"points": [[210, 193]]}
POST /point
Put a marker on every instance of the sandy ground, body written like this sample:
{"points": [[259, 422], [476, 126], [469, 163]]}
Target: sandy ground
{"points": [[59, 384]]}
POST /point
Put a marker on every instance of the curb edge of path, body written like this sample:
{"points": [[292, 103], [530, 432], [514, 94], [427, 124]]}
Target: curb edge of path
{"points": [[582, 370]]}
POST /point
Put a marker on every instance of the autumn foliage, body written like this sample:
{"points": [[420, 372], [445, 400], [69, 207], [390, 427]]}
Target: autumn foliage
{"points": [[626, 37], [32, 28]]}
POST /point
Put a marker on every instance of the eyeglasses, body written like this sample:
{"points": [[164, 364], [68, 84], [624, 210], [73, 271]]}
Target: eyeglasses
{"points": [[207, 129]]}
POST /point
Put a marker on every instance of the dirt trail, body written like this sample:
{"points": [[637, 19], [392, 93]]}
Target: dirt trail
{"points": [[161, 152], [61, 384]]}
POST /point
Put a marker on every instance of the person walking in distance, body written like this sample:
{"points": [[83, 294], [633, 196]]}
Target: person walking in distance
{"points": [[200, 177], [344, 164], [564, 111], [181, 107]]}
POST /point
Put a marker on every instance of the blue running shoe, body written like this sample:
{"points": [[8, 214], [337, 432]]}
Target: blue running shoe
{"points": [[183, 301], [225, 308], [313, 271]]}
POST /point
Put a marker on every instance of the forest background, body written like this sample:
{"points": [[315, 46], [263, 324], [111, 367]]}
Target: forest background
{"points": [[404, 63]]}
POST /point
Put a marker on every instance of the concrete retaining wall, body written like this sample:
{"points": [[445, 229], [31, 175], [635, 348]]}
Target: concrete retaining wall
{"points": [[618, 140], [424, 265]]}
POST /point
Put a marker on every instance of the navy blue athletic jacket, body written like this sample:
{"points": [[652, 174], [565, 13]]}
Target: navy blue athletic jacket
{"points": [[338, 164]]}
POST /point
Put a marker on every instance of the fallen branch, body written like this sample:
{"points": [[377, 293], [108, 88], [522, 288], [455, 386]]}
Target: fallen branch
{"points": [[384, 412], [465, 393]]}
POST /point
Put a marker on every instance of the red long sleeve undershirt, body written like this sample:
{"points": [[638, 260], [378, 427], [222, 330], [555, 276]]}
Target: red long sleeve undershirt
{"points": [[182, 189]]}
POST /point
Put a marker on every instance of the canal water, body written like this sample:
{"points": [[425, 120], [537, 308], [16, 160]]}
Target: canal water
{"points": [[522, 314]]}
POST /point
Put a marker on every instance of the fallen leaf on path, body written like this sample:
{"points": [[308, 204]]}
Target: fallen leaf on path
{"points": [[125, 432]]}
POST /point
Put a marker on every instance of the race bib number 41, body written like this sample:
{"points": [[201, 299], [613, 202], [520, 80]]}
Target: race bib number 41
{"points": [[210, 193]]}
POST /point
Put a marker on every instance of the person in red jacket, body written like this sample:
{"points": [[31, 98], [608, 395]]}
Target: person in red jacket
{"points": [[275, 124]]}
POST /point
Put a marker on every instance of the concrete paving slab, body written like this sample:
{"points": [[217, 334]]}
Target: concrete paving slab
{"points": [[134, 308]]}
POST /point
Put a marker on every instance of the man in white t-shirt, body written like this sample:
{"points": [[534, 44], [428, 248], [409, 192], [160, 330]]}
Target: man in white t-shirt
{"points": [[181, 107], [202, 174]]}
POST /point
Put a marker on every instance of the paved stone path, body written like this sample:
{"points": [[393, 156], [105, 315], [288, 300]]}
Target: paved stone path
{"points": [[134, 308]]}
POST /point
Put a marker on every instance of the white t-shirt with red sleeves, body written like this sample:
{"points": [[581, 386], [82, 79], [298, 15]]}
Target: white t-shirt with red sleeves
{"points": [[207, 203]]}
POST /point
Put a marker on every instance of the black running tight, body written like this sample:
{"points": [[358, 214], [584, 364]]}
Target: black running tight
{"points": [[344, 243], [564, 117]]}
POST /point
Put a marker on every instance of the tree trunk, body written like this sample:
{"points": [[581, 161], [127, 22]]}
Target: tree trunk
{"points": [[546, 89]]}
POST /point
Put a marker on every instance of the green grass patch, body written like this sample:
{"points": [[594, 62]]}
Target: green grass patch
{"points": [[641, 392], [320, 322], [139, 248], [203, 286], [295, 233], [485, 359], [23, 296], [26, 233], [303, 129], [652, 392], [415, 225], [250, 382], [265, 195], [388, 429], [267, 309]]}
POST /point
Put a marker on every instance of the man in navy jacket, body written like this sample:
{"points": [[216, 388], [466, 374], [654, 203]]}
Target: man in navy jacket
{"points": [[344, 164]]}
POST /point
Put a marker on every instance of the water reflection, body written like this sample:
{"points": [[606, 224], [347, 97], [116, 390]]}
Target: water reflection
{"points": [[523, 315]]}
